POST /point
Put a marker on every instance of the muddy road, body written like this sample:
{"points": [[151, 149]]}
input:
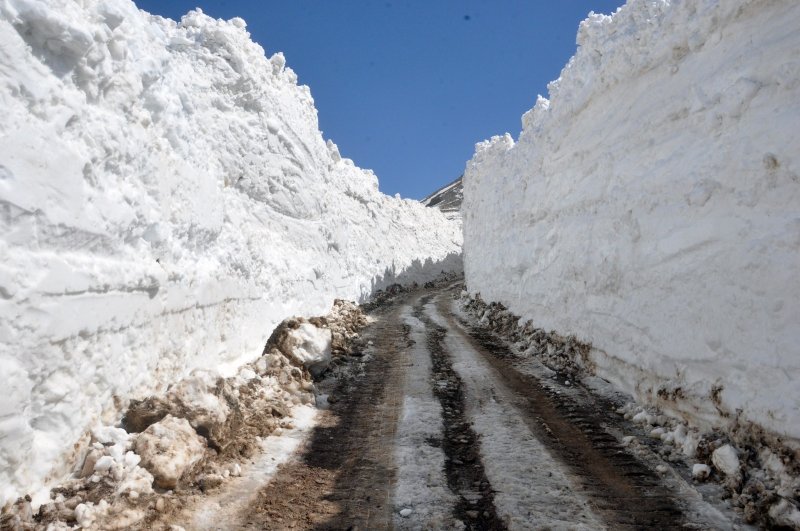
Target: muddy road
{"points": [[439, 428]]}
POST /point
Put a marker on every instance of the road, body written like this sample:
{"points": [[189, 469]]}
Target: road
{"points": [[441, 429]]}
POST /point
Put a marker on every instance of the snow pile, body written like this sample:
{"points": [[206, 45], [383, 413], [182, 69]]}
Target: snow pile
{"points": [[166, 198], [193, 438], [650, 208]]}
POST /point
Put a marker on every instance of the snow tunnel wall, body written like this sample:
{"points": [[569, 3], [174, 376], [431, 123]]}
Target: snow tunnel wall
{"points": [[166, 198], [652, 208]]}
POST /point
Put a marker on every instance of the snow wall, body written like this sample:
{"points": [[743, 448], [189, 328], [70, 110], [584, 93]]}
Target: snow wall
{"points": [[652, 208], [166, 198]]}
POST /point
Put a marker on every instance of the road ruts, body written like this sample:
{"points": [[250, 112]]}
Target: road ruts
{"points": [[464, 469], [625, 492]]}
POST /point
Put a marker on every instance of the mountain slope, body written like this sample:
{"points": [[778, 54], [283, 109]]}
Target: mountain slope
{"points": [[448, 199]]}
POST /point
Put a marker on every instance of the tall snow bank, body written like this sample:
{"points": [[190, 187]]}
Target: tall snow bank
{"points": [[652, 208], [166, 198]]}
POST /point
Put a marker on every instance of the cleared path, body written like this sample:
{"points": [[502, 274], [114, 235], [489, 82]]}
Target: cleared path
{"points": [[442, 431]]}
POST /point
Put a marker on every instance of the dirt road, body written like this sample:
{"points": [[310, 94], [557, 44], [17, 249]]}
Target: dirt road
{"points": [[441, 429]]}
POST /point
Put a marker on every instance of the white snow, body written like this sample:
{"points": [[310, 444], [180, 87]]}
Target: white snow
{"points": [[650, 207], [166, 198], [312, 347], [725, 460]]}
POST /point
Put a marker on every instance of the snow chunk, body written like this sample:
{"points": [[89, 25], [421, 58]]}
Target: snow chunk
{"points": [[312, 348], [308, 344], [726, 460], [785, 514], [700, 471], [168, 449]]}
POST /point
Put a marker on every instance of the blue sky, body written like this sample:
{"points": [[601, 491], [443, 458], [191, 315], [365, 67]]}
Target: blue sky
{"points": [[407, 88]]}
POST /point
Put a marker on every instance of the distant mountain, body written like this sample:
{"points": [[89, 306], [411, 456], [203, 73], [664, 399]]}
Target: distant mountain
{"points": [[447, 199]]}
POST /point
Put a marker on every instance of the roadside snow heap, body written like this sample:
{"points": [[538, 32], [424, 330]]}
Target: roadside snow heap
{"points": [[166, 199], [651, 208], [194, 437]]}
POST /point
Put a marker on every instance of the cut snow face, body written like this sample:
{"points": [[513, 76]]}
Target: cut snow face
{"points": [[167, 199], [650, 208]]}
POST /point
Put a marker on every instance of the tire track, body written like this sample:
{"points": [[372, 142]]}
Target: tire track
{"points": [[464, 468]]}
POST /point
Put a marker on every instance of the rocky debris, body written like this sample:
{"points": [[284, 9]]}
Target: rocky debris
{"points": [[169, 448], [228, 412], [384, 296], [757, 474], [564, 354], [110, 487], [190, 439], [345, 321], [443, 279]]}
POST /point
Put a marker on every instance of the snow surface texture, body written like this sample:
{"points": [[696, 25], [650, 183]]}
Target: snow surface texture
{"points": [[651, 208], [166, 198]]}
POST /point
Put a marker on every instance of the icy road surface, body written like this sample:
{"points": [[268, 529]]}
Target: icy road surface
{"points": [[439, 429]]}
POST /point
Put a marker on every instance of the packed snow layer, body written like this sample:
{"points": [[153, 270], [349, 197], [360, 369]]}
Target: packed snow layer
{"points": [[166, 198], [652, 208]]}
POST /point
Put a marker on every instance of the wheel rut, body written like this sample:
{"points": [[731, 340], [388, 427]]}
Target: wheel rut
{"points": [[344, 477], [464, 469], [625, 492]]}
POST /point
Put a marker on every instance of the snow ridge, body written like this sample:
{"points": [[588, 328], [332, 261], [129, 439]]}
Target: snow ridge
{"points": [[650, 207], [166, 198]]}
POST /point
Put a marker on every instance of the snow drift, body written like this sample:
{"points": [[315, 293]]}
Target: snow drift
{"points": [[166, 198], [651, 208]]}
